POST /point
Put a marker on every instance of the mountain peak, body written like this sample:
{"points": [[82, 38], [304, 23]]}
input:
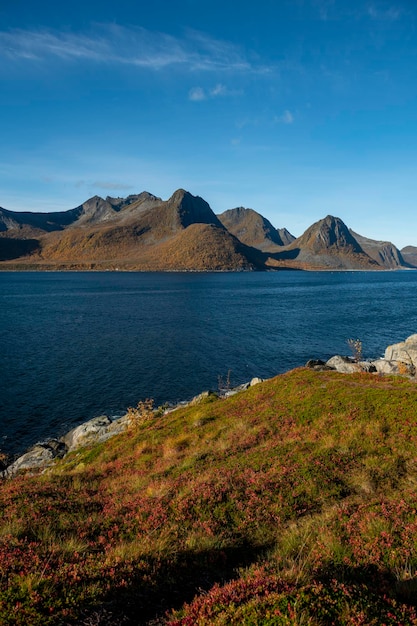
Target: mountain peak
{"points": [[192, 209], [252, 229], [330, 232]]}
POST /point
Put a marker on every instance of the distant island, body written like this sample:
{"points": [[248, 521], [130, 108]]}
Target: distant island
{"points": [[145, 233]]}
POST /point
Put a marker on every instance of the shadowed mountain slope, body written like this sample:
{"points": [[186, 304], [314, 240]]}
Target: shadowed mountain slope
{"points": [[383, 252], [255, 230], [409, 254]]}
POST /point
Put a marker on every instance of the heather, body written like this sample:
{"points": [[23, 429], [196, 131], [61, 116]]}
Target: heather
{"points": [[293, 502]]}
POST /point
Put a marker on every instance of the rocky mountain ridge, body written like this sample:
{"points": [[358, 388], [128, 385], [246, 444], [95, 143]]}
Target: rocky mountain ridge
{"points": [[144, 232]]}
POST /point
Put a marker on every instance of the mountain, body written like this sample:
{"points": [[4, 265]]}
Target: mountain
{"points": [[255, 230], [144, 232], [93, 211], [140, 232], [409, 254], [383, 252], [327, 244]]}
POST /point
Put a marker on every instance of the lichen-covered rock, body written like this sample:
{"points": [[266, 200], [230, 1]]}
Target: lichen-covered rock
{"points": [[94, 431], [343, 364], [40, 456], [318, 365], [367, 366], [404, 352], [383, 366]]}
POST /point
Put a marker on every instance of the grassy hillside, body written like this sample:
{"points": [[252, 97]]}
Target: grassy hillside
{"points": [[292, 503]]}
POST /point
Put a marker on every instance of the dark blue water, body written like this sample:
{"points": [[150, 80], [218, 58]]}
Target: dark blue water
{"points": [[77, 345]]}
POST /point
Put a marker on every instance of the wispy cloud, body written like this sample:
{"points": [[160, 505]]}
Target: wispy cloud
{"points": [[389, 14], [197, 94], [286, 118], [130, 46]]}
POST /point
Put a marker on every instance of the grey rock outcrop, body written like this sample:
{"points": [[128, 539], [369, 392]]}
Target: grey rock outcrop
{"points": [[344, 364], [40, 456], [95, 430], [318, 365], [202, 397], [399, 359], [404, 352], [383, 366]]}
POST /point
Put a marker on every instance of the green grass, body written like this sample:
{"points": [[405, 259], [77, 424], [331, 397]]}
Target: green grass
{"points": [[294, 502]]}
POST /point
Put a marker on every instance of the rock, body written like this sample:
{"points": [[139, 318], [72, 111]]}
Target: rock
{"points": [[94, 431], [204, 395], [343, 364], [318, 365], [255, 381], [315, 363], [404, 352], [40, 456], [383, 366], [367, 366]]}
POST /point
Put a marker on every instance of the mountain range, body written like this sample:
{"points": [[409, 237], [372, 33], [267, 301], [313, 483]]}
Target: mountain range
{"points": [[144, 232]]}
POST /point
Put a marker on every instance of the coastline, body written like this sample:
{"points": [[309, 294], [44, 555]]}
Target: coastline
{"points": [[399, 360]]}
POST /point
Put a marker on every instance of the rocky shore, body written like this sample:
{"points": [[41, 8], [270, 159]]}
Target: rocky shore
{"points": [[399, 359]]}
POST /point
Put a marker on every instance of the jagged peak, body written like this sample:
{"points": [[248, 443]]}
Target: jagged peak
{"points": [[329, 232], [94, 198], [179, 195]]}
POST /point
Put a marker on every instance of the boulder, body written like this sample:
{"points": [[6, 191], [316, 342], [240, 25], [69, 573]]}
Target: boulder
{"points": [[384, 366], [343, 364], [94, 431], [40, 456], [202, 397], [318, 365], [367, 366], [255, 381], [404, 352]]}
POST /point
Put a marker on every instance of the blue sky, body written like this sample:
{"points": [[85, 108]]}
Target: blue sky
{"points": [[295, 108]]}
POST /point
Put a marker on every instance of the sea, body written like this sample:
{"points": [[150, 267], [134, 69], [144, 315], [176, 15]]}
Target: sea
{"points": [[75, 345]]}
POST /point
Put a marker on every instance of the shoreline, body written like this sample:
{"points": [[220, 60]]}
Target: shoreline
{"points": [[399, 360]]}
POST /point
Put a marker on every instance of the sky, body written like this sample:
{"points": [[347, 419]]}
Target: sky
{"points": [[294, 108]]}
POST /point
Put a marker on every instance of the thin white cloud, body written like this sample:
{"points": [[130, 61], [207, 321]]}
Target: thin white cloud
{"points": [[130, 46], [197, 94], [218, 90], [390, 14], [286, 118]]}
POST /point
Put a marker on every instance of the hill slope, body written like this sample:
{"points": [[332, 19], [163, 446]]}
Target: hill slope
{"points": [[383, 252], [291, 503], [409, 254], [254, 230]]}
